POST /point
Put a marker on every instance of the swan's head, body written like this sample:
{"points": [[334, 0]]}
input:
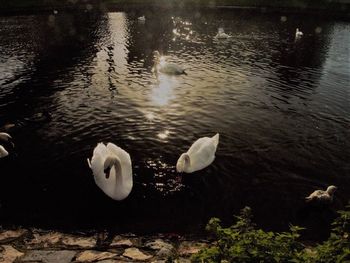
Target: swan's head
{"points": [[111, 161], [183, 163], [221, 30], [331, 189]]}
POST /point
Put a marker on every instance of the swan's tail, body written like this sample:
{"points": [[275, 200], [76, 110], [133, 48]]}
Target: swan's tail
{"points": [[216, 139], [89, 163]]}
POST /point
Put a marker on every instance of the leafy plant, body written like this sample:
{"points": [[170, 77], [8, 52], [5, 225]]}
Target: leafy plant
{"points": [[243, 242]]}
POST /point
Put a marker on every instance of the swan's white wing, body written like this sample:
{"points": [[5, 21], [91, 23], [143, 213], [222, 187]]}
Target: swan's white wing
{"points": [[197, 145], [202, 153], [123, 156]]}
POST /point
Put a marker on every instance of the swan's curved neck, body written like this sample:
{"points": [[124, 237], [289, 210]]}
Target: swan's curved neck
{"points": [[187, 160]]}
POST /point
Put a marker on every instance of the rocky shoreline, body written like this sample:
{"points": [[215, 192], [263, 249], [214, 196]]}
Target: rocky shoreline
{"points": [[37, 245]]}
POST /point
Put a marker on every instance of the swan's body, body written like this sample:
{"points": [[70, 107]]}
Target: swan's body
{"points": [[221, 34], [111, 167], [298, 34], [322, 196], [3, 152], [142, 18], [167, 68], [6, 138], [200, 155]]}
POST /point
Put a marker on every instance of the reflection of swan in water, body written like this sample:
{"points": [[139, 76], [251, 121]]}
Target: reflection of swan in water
{"points": [[167, 68], [111, 167], [221, 34], [200, 155], [298, 34], [322, 196], [5, 137]]}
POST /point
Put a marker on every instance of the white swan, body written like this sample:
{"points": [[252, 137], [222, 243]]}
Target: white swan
{"points": [[298, 34], [6, 138], [167, 68], [111, 167], [141, 18], [3, 152], [322, 196], [200, 155], [221, 34]]}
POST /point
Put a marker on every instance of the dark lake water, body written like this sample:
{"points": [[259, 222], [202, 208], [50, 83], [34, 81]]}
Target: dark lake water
{"points": [[71, 80]]}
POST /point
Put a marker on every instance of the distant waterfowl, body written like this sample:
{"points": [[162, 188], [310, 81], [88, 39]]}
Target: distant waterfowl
{"points": [[141, 18], [5, 137], [55, 12], [322, 196], [298, 34], [111, 167], [200, 155], [167, 68], [221, 34]]}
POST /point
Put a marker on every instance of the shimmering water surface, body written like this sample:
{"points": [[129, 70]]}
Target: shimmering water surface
{"points": [[71, 80]]}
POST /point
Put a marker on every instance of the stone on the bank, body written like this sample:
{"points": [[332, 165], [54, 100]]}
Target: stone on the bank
{"points": [[118, 242], [135, 254], [188, 248], [82, 242], [46, 256], [90, 256], [159, 244], [9, 254], [9, 235], [44, 240], [164, 249]]}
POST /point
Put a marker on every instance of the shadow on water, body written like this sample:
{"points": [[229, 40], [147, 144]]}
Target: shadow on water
{"points": [[71, 80]]}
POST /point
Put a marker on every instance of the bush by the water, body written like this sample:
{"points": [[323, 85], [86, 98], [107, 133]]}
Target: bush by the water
{"points": [[243, 242]]}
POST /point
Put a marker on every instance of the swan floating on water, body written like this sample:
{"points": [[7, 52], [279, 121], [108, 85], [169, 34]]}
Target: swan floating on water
{"points": [[111, 167], [298, 34], [322, 196], [200, 155], [167, 68], [6, 138], [221, 34], [141, 18]]}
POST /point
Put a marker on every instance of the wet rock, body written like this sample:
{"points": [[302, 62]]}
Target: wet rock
{"points": [[164, 249], [159, 244], [135, 254], [119, 242], [45, 256], [81, 242], [112, 261], [188, 248], [9, 254], [51, 239], [10, 235], [90, 256]]}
